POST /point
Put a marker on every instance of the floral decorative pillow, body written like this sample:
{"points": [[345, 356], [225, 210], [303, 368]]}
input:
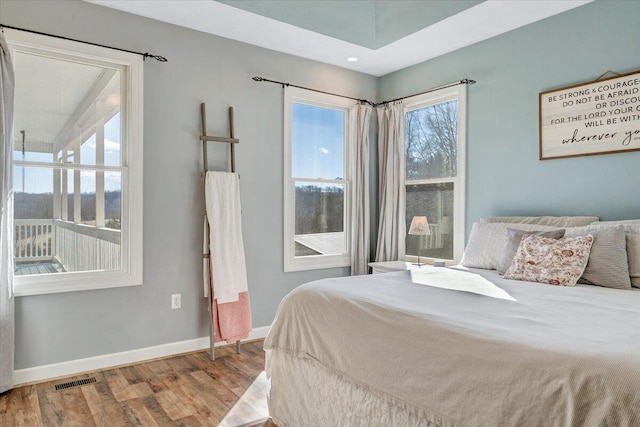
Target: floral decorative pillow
{"points": [[546, 260]]}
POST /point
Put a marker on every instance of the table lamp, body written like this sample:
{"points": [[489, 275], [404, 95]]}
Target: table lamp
{"points": [[419, 227]]}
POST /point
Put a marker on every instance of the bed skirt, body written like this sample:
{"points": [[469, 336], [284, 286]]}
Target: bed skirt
{"points": [[305, 393]]}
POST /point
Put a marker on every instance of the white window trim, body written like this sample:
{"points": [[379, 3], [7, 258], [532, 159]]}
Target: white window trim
{"points": [[131, 66], [458, 92], [312, 262]]}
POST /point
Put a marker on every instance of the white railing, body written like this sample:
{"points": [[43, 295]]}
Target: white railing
{"points": [[33, 239], [76, 247], [433, 240], [80, 247]]}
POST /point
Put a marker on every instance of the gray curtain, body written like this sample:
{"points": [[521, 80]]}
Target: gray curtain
{"points": [[360, 240], [7, 82], [391, 229]]}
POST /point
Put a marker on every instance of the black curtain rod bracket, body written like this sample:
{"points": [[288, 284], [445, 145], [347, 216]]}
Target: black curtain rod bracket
{"points": [[144, 55]]}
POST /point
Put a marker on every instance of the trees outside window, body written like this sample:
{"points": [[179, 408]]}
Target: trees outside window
{"points": [[434, 142]]}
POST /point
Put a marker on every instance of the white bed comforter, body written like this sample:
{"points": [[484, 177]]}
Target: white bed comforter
{"points": [[555, 356]]}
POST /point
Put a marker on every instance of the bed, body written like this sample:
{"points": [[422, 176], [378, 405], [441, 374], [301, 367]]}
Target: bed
{"points": [[383, 350]]}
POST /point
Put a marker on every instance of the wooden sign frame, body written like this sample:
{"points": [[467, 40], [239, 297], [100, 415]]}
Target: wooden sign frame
{"points": [[587, 119]]}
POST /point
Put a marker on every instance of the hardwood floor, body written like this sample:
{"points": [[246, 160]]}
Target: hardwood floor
{"points": [[187, 390]]}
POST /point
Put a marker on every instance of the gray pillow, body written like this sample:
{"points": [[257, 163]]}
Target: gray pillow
{"points": [[512, 241], [632, 229], [608, 264]]}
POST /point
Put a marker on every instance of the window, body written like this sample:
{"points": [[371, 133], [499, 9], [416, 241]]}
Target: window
{"points": [[77, 166], [316, 180], [434, 137]]}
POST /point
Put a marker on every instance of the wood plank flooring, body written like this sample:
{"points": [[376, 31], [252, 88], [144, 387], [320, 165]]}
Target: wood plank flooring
{"points": [[186, 390]]}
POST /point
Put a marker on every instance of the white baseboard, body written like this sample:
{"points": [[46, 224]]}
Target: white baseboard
{"points": [[73, 367]]}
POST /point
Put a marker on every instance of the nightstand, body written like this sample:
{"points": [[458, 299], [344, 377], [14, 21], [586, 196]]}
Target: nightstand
{"points": [[388, 266]]}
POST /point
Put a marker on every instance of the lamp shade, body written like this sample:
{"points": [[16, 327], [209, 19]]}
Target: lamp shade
{"points": [[419, 226]]}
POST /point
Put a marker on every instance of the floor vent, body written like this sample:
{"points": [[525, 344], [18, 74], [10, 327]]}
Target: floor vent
{"points": [[77, 383]]}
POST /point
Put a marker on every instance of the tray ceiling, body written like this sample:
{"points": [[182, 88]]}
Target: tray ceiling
{"points": [[385, 35]]}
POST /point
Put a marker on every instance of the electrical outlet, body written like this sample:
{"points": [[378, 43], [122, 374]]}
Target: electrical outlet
{"points": [[176, 301]]}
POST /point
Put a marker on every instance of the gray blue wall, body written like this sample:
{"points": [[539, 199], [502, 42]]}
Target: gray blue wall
{"points": [[60, 327], [504, 175]]}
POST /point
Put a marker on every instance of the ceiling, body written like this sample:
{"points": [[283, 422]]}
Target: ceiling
{"points": [[48, 91], [367, 23], [385, 35], [56, 97]]}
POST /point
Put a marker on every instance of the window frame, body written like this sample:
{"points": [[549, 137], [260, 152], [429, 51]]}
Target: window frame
{"points": [[131, 168], [458, 93], [312, 262]]}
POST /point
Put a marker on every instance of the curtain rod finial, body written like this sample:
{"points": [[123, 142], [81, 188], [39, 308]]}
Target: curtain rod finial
{"points": [[258, 79]]}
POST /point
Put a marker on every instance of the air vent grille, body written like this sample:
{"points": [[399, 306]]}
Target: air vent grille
{"points": [[78, 383]]}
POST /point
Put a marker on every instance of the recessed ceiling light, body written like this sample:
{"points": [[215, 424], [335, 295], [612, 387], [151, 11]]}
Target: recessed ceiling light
{"points": [[352, 59]]}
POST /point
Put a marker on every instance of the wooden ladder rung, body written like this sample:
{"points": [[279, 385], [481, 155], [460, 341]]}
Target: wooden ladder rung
{"points": [[219, 139]]}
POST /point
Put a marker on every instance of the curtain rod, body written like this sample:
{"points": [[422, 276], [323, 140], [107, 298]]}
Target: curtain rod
{"points": [[365, 101], [262, 79], [144, 55], [461, 82]]}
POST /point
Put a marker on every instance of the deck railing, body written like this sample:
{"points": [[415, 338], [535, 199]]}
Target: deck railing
{"points": [[33, 239], [76, 247], [433, 240], [80, 247]]}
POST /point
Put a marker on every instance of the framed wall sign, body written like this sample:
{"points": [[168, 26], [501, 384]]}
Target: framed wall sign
{"points": [[592, 118]]}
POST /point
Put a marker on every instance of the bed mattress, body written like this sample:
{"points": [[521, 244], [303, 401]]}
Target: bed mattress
{"points": [[555, 356]]}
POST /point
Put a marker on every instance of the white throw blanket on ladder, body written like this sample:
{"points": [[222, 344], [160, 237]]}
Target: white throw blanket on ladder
{"points": [[222, 191]]}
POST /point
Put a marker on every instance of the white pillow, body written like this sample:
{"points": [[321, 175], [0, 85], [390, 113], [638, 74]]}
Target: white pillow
{"points": [[553, 221], [486, 241], [623, 222]]}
